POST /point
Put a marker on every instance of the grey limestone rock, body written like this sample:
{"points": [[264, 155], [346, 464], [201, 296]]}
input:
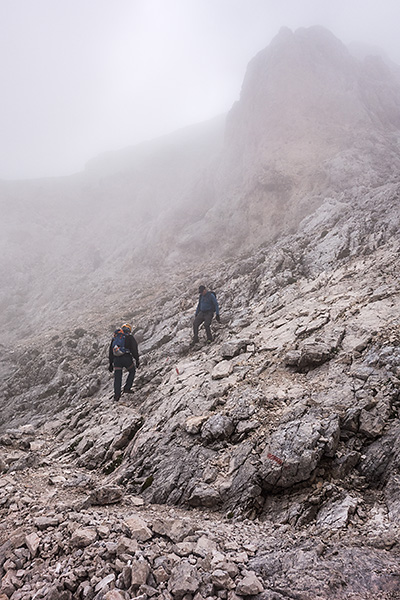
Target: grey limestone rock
{"points": [[311, 355], [204, 495], [233, 347], [250, 585], [126, 545], [382, 457], [83, 537], [115, 595], [222, 580], [138, 528], [295, 449], [175, 529], [47, 521], [32, 542], [392, 497], [184, 580], [217, 427], [336, 514], [222, 369], [140, 570], [107, 494], [371, 423]]}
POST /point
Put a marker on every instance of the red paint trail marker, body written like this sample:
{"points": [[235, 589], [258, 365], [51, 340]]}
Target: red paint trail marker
{"points": [[275, 458]]}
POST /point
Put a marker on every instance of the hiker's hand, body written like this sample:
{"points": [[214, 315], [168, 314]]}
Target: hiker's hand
{"points": [[137, 365], [111, 368], [218, 318]]}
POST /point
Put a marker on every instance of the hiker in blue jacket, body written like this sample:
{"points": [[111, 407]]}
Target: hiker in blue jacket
{"points": [[205, 310]]}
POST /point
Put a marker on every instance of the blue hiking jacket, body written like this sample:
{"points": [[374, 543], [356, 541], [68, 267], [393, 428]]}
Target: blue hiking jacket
{"points": [[206, 303]]}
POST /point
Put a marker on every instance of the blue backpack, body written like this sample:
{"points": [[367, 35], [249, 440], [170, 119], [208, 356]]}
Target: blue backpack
{"points": [[118, 343]]}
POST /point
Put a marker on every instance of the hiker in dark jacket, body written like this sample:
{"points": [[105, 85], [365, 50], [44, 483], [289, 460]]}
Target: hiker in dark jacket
{"points": [[127, 360], [205, 310]]}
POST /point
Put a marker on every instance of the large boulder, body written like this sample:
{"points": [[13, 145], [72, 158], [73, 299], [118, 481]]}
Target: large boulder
{"points": [[294, 450]]}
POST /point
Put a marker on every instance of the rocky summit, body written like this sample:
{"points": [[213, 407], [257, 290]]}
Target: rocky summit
{"points": [[265, 464]]}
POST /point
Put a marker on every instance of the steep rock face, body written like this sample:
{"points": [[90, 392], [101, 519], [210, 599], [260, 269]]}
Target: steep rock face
{"points": [[312, 121]]}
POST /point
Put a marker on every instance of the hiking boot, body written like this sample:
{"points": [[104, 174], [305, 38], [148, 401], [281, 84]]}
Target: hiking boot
{"points": [[128, 391], [209, 342], [194, 342], [117, 397]]}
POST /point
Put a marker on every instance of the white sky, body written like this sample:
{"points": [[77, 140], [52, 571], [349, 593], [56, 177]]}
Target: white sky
{"points": [[79, 77]]}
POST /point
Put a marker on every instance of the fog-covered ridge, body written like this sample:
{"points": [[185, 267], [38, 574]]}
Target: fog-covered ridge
{"points": [[312, 122]]}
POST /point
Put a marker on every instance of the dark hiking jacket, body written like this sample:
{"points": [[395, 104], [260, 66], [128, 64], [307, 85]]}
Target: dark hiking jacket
{"points": [[130, 345], [206, 303]]}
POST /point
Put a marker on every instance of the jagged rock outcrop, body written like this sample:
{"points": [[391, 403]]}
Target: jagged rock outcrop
{"points": [[312, 122]]}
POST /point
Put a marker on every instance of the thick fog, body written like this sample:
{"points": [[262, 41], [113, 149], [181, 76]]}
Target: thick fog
{"points": [[80, 77]]}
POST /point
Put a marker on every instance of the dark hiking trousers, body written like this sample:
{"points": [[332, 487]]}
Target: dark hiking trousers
{"points": [[121, 362], [206, 318]]}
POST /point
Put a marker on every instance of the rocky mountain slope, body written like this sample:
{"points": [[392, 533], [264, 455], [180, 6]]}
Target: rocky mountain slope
{"points": [[264, 465], [290, 419], [312, 122]]}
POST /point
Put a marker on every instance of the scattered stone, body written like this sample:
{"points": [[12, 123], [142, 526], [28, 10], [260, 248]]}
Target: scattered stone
{"points": [[217, 427], [127, 545], [222, 580], [336, 514], [139, 573], [32, 542], [371, 423], [311, 355], [114, 595], [83, 537], [107, 494], [205, 546], [204, 495], [175, 529], [250, 585], [138, 528], [193, 424], [184, 580], [104, 582], [233, 348], [46, 522], [222, 369], [136, 500]]}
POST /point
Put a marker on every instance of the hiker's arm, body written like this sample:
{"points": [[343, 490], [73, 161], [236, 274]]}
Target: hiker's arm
{"points": [[135, 351], [110, 358], [216, 306]]}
